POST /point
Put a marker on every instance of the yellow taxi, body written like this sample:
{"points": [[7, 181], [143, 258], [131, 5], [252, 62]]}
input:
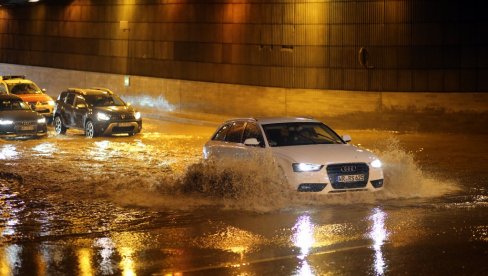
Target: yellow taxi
{"points": [[29, 92]]}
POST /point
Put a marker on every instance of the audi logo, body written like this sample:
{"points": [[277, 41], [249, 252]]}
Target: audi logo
{"points": [[347, 169]]}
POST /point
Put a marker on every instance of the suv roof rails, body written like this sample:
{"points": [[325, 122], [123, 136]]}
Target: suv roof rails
{"points": [[82, 90], [78, 90], [10, 77], [102, 89]]}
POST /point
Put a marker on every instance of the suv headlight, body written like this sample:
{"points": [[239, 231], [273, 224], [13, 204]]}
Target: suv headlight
{"points": [[41, 120], [6, 122], [50, 103], [304, 167], [102, 116], [376, 163], [137, 115]]}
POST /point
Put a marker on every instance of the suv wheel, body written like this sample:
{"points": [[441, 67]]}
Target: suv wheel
{"points": [[58, 125], [90, 130]]}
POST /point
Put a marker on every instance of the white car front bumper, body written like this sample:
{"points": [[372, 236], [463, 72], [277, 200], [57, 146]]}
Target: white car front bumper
{"points": [[330, 179]]}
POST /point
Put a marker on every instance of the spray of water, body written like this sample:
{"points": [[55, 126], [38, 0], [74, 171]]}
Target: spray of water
{"points": [[241, 184], [254, 184], [404, 177], [257, 184]]}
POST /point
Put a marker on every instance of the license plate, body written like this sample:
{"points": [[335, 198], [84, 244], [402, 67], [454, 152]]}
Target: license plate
{"points": [[125, 124], [350, 178], [25, 128]]}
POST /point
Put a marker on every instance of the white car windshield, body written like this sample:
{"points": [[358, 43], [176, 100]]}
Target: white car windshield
{"points": [[297, 133]]}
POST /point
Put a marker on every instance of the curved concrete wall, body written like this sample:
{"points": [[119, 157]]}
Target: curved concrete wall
{"points": [[367, 45], [214, 101]]}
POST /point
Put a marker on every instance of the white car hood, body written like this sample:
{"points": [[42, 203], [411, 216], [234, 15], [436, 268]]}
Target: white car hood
{"points": [[324, 154]]}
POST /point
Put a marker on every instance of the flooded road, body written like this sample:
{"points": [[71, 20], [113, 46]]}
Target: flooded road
{"points": [[127, 206]]}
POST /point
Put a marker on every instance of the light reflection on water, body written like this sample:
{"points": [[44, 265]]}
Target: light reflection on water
{"points": [[305, 269], [10, 224], [304, 239], [378, 234], [232, 239], [87, 257], [107, 248], [307, 235], [304, 235], [127, 245], [8, 152], [9, 258], [127, 264], [148, 156], [45, 149], [84, 261]]}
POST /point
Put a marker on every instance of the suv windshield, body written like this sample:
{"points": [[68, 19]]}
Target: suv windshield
{"points": [[13, 105], [293, 134], [104, 100], [24, 88]]}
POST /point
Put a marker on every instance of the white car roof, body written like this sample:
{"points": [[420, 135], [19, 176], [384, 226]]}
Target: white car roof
{"points": [[275, 120], [278, 120]]}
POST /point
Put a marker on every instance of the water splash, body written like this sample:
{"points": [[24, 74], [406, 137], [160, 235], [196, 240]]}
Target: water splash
{"points": [[257, 185], [238, 184], [404, 177], [173, 177]]}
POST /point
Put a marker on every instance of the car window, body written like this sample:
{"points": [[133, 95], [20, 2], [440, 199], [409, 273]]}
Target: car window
{"points": [[253, 131], [104, 100], [235, 133], [220, 135], [70, 99], [13, 105], [79, 100], [293, 134], [24, 88], [62, 96], [3, 89]]}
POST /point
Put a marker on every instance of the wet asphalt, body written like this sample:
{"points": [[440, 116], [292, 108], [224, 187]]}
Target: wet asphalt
{"points": [[125, 206]]}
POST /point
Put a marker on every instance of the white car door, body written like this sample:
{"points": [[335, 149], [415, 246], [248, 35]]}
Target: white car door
{"points": [[232, 147], [214, 147]]}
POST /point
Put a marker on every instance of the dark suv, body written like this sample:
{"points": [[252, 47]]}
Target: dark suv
{"points": [[98, 111]]}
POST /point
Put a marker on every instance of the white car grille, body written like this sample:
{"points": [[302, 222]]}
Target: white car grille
{"points": [[354, 170]]}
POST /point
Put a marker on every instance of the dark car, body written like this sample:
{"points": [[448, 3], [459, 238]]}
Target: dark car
{"points": [[97, 111], [18, 120]]}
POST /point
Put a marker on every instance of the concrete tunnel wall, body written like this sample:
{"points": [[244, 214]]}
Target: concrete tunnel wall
{"points": [[367, 45], [217, 101]]}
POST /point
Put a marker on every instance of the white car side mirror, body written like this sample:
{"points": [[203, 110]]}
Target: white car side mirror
{"points": [[346, 138], [251, 142]]}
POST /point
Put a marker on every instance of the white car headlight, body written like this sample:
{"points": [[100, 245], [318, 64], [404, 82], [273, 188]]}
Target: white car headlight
{"points": [[137, 115], [6, 122], [102, 116], [304, 167], [50, 103], [376, 163], [41, 120]]}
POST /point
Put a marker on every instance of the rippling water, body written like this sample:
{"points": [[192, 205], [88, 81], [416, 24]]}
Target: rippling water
{"points": [[165, 171], [99, 199]]}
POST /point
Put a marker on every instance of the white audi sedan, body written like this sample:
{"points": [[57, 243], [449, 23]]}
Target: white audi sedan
{"points": [[312, 157]]}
